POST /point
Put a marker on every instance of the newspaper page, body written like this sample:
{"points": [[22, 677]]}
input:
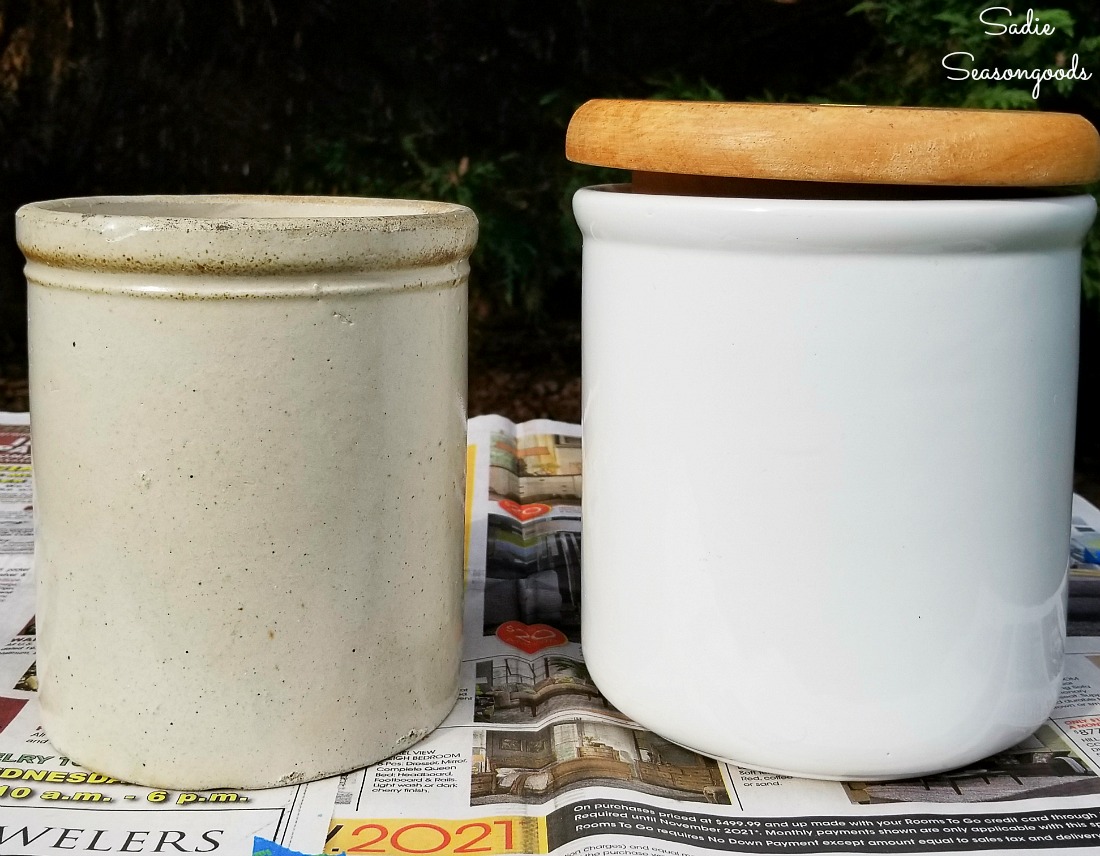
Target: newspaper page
{"points": [[534, 759], [48, 805], [16, 543], [1084, 575]]}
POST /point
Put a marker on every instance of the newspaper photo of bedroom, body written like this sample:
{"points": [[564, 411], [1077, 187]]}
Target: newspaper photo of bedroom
{"points": [[1044, 765], [518, 690], [536, 766]]}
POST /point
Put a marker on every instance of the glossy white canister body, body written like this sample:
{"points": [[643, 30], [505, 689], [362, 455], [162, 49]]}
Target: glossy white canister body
{"points": [[828, 453], [249, 442]]}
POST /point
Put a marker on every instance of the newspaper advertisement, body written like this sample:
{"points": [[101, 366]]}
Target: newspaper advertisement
{"points": [[49, 805], [535, 760]]}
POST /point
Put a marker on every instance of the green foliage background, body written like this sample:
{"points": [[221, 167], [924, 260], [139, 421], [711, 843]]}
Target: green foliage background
{"points": [[913, 37], [521, 186]]}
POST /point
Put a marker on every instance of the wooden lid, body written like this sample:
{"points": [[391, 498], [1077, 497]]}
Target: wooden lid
{"points": [[833, 143]]}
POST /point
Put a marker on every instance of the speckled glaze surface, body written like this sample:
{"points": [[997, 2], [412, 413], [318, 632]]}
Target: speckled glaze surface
{"points": [[249, 426]]}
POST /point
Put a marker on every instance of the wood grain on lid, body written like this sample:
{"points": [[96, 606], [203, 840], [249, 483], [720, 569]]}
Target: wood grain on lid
{"points": [[834, 143]]}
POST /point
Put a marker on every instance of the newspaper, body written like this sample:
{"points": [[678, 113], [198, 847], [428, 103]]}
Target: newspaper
{"points": [[534, 760]]}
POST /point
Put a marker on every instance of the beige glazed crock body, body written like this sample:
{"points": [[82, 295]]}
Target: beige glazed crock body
{"points": [[249, 427]]}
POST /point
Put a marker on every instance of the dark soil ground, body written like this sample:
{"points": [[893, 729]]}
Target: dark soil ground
{"points": [[526, 372], [518, 370], [13, 388], [523, 372]]}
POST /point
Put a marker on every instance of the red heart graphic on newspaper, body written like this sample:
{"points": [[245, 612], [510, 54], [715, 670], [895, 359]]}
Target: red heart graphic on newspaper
{"points": [[525, 512], [531, 638]]}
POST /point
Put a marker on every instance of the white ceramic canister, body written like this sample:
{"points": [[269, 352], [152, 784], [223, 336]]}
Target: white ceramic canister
{"points": [[249, 431], [829, 427]]}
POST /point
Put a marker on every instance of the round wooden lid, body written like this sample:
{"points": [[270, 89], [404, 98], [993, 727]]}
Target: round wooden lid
{"points": [[835, 143]]}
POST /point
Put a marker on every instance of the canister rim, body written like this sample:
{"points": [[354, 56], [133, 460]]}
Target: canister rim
{"points": [[243, 234], [792, 226], [856, 144], [257, 210]]}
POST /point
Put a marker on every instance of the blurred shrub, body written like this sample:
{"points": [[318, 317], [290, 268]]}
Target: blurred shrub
{"points": [[528, 241], [473, 108], [501, 152], [917, 39], [905, 64]]}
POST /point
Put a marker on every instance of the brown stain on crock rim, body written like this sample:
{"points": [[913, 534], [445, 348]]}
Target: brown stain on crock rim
{"points": [[244, 245]]}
